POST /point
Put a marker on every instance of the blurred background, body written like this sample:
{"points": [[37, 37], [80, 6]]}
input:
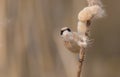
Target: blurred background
{"points": [[30, 43]]}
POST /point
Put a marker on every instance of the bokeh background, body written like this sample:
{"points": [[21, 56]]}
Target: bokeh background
{"points": [[30, 44]]}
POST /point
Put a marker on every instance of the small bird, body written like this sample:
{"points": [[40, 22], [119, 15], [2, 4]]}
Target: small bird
{"points": [[72, 40]]}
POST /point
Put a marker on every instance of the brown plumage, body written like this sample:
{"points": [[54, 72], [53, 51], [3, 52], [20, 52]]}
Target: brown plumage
{"points": [[72, 44], [72, 40]]}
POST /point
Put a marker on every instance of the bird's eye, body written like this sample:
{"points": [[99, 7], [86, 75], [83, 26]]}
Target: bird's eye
{"points": [[69, 30], [61, 32]]}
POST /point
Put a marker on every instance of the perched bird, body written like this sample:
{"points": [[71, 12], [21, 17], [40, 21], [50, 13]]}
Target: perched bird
{"points": [[72, 40]]}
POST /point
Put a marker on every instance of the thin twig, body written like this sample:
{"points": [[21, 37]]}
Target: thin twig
{"points": [[81, 59]]}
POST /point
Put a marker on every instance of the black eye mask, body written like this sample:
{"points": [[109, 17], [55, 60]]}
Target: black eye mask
{"points": [[68, 29], [61, 33]]}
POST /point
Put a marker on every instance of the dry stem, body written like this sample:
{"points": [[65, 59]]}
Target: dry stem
{"points": [[81, 59]]}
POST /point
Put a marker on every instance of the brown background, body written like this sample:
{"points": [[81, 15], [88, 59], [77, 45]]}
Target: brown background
{"points": [[30, 44]]}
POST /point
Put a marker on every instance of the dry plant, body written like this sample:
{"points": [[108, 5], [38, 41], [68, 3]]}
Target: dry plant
{"points": [[78, 41]]}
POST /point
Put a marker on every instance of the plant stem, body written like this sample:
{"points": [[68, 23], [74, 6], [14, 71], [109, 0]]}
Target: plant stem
{"points": [[81, 59]]}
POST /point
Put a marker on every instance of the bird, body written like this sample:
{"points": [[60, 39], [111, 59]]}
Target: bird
{"points": [[72, 40]]}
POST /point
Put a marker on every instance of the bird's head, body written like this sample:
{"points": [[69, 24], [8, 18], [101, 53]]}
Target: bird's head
{"points": [[65, 30]]}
